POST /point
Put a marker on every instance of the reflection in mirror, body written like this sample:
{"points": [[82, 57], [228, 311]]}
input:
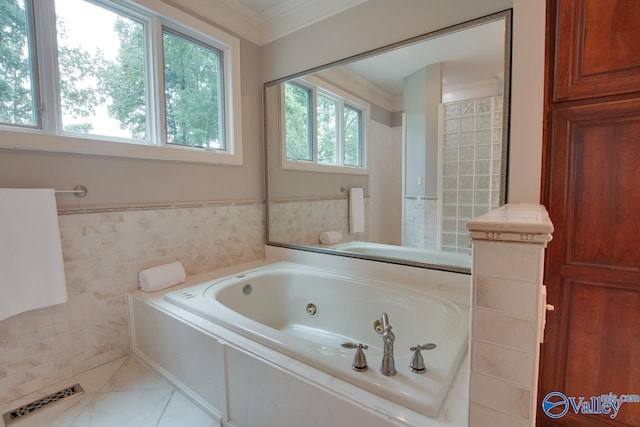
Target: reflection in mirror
{"points": [[421, 127]]}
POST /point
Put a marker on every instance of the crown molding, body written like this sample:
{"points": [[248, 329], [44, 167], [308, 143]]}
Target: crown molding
{"points": [[224, 13], [293, 15], [344, 78], [262, 28]]}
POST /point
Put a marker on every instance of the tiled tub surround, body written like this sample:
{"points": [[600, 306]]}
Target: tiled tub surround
{"points": [[244, 383], [508, 314], [300, 221], [104, 249]]}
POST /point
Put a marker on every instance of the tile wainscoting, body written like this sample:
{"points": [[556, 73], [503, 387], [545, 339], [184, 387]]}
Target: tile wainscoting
{"points": [[421, 222], [300, 221], [104, 249]]}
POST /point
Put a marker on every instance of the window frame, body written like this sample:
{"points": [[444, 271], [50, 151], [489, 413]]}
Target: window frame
{"points": [[48, 134], [317, 87]]}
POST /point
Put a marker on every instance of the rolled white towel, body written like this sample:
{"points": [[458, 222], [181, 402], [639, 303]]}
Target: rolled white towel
{"points": [[162, 276], [330, 237]]}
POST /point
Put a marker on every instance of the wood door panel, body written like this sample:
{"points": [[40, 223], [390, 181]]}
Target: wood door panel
{"points": [[597, 48], [597, 188], [610, 362], [605, 221], [591, 188], [593, 262]]}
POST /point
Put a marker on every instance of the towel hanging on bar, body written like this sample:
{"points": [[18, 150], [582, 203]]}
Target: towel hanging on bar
{"points": [[356, 210]]}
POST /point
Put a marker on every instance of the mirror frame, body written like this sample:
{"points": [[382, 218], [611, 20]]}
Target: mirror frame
{"points": [[508, 19]]}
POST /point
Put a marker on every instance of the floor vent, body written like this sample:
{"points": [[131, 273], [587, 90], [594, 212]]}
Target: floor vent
{"points": [[24, 411]]}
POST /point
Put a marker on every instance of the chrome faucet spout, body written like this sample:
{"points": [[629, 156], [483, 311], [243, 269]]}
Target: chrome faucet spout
{"points": [[384, 321], [388, 367]]}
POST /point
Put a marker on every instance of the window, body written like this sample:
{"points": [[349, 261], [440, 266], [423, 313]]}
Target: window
{"points": [[324, 128], [192, 93], [102, 83], [17, 88], [119, 79]]}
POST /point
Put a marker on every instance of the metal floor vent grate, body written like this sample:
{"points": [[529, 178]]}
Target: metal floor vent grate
{"points": [[24, 411]]}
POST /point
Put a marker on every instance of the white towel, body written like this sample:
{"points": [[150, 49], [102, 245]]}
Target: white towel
{"points": [[162, 276], [330, 237], [356, 210], [31, 266]]}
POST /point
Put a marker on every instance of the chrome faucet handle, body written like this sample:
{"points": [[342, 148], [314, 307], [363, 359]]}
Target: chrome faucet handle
{"points": [[359, 360], [417, 362]]}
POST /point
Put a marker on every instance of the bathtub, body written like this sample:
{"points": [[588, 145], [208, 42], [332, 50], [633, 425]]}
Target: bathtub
{"points": [[271, 305], [426, 256]]}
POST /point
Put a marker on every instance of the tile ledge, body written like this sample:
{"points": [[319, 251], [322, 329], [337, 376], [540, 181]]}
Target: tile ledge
{"points": [[523, 223]]}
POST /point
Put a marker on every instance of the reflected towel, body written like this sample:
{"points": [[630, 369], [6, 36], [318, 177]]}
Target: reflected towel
{"points": [[330, 237], [356, 210], [31, 266], [162, 276]]}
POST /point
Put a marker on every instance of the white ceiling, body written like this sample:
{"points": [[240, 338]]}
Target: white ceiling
{"points": [[472, 55]]}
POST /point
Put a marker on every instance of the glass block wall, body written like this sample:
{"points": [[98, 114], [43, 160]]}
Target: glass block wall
{"points": [[470, 168]]}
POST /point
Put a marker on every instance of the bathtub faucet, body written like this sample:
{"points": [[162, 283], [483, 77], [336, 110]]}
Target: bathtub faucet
{"points": [[388, 367]]}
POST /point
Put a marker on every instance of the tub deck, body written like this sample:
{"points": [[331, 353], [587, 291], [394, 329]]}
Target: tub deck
{"points": [[273, 314]]}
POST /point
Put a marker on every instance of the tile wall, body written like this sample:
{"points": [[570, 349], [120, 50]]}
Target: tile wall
{"points": [[508, 302], [103, 252], [420, 222], [300, 221]]}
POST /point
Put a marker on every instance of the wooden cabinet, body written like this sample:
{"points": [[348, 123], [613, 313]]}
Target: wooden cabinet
{"points": [[591, 188], [597, 48]]}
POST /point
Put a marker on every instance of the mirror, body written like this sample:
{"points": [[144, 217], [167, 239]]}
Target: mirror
{"points": [[387, 155]]}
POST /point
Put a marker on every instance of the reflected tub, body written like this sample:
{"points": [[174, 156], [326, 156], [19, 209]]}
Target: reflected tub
{"points": [[422, 255], [270, 305]]}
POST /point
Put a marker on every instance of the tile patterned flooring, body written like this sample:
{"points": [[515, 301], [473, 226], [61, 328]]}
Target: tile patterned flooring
{"points": [[122, 393]]}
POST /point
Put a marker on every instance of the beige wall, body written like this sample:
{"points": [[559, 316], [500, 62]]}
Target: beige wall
{"points": [[359, 29], [125, 181]]}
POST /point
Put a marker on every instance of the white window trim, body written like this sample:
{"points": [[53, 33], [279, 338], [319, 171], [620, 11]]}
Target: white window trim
{"points": [[328, 90], [52, 138]]}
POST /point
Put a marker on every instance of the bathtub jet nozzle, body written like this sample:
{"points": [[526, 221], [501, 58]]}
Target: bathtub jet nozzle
{"points": [[359, 360]]}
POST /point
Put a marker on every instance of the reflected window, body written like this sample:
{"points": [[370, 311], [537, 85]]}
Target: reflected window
{"points": [[323, 127], [352, 136], [298, 122], [327, 113]]}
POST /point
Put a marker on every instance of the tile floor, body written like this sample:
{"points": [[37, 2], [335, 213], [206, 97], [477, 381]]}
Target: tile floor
{"points": [[123, 393]]}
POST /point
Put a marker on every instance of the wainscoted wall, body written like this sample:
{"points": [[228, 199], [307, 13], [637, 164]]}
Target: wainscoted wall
{"points": [[300, 221], [103, 252]]}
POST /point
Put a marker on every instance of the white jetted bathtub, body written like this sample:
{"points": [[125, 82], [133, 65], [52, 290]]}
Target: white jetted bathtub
{"points": [[422, 255], [307, 313]]}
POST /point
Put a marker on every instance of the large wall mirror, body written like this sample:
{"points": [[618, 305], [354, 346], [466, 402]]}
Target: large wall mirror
{"points": [[387, 155]]}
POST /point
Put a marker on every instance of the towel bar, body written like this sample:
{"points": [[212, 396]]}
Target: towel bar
{"points": [[78, 191]]}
